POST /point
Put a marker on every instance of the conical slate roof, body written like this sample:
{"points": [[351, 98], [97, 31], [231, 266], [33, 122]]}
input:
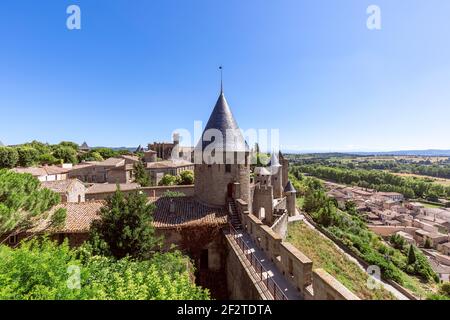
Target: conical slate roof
{"points": [[274, 162], [289, 187], [84, 146], [262, 171], [222, 119]]}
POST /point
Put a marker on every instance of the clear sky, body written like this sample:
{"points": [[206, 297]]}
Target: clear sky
{"points": [[139, 69]]}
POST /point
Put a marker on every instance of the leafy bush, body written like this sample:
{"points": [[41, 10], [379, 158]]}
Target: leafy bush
{"points": [[141, 175], [354, 233], [28, 156], [22, 200], [66, 154], [168, 180], [41, 269], [186, 177], [8, 157], [125, 227]]}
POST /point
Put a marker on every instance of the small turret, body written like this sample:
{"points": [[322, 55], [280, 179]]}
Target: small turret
{"points": [[277, 180], [291, 195], [222, 168], [262, 176], [85, 147]]}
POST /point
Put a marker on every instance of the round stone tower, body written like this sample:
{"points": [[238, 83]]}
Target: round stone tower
{"points": [[222, 168], [290, 193]]}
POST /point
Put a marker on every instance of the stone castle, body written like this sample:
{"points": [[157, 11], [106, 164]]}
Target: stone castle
{"points": [[232, 222], [256, 260], [228, 177]]}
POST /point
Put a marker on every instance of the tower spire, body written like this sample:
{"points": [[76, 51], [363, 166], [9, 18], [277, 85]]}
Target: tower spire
{"points": [[221, 78]]}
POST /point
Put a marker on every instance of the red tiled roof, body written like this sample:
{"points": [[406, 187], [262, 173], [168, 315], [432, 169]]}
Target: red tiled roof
{"points": [[188, 212], [41, 171], [111, 187], [78, 220], [168, 164], [59, 186]]}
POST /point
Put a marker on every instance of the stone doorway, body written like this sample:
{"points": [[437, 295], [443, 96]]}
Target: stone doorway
{"points": [[230, 190]]}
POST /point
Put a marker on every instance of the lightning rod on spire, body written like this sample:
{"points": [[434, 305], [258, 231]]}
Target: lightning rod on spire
{"points": [[221, 79]]}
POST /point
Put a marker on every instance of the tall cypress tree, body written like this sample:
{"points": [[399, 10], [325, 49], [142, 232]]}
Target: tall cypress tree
{"points": [[411, 255], [126, 227]]}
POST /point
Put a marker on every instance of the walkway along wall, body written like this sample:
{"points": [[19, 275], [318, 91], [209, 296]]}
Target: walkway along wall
{"points": [[296, 267]]}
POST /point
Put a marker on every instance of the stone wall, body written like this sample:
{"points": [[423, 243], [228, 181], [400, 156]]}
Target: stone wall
{"points": [[263, 198], [90, 173], [213, 183], [295, 266], [326, 287], [241, 285], [77, 193], [280, 226], [119, 175], [152, 192]]}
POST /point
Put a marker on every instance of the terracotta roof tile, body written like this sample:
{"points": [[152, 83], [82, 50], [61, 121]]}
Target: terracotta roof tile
{"points": [[187, 212], [111, 187], [168, 164], [78, 220], [59, 186], [41, 171]]}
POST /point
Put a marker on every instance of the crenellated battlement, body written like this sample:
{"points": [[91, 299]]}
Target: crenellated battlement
{"points": [[297, 268]]}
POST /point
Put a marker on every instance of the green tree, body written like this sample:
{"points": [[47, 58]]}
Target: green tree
{"points": [[66, 154], [23, 202], [8, 157], [92, 155], [106, 153], [350, 207], [48, 159], [141, 175], [186, 177], [41, 270], [39, 146], [445, 289], [168, 180], [397, 241], [28, 156], [69, 144], [411, 255], [125, 227]]}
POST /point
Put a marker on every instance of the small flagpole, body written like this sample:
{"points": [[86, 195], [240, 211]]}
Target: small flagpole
{"points": [[221, 79]]}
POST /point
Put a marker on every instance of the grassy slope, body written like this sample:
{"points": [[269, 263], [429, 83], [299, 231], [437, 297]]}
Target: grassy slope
{"points": [[325, 255], [409, 282]]}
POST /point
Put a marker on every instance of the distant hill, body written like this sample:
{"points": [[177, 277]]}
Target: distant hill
{"points": [[425, 153]]}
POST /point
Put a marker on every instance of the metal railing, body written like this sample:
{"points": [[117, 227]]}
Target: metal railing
{"points": [[269, 283]]}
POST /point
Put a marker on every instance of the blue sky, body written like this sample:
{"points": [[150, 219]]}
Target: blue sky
{"points": [[139, 69]]}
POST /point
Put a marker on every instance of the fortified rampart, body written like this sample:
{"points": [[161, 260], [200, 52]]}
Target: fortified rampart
{"points": [[312, 284]]}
